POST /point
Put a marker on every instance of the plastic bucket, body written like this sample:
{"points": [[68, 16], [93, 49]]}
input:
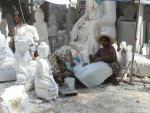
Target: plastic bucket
{"points": [[70, 82]]}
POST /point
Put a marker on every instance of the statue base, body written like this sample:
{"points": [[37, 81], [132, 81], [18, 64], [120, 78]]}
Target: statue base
{"points": [[7, 75]]}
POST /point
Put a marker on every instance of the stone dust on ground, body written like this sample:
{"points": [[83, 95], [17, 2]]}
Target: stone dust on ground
{"points": [[103, 99]]}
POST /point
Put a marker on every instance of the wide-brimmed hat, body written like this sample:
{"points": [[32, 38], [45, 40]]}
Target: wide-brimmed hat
{"points": [[106, 33]]}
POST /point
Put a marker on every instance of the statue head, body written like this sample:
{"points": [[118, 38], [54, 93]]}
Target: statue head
{"points": [[39, 15], [43, 50], [123, 44]]}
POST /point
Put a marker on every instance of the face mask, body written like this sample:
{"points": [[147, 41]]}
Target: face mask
{"points": [[98, 1]]}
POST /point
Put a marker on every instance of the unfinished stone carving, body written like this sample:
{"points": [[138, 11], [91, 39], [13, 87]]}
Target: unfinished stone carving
{"points": [[14, 100], [22, 62], [45, 85]]}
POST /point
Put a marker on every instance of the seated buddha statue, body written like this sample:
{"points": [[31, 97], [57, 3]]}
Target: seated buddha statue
{"points": [[45, 85]]}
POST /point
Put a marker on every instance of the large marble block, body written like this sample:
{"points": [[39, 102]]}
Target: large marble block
{"points": [[93, 74]]}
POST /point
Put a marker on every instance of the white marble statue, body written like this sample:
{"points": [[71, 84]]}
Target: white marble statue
{"points": [[7, 71], [45, 85], [22, 62], [41, 26], [96, 12]]}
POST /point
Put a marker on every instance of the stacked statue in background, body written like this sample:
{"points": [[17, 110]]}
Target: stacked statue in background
{"points": [[126, 25], [41, 26], [57, 37]]}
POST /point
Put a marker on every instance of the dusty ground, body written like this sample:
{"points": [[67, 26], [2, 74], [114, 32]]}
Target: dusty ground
{"points": [[102, 99]]}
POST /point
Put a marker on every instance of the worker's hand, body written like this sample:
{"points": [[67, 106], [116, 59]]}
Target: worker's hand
{"points": [[73, 64], [98, 59], [91, 58]]}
